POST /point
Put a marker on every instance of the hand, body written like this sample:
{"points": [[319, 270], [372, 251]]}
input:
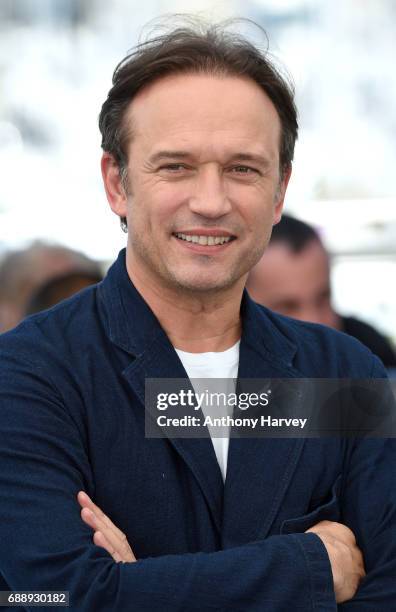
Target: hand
{"points": [[106, 535], [345, 557]]}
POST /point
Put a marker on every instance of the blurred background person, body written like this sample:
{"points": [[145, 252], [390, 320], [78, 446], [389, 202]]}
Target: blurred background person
{"points": [[293, 278], [23, 272], [59, 288]]}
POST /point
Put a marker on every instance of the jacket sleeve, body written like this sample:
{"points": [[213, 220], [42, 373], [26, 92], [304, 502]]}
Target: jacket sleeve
{"points": [[46, 546], [369, 509]]}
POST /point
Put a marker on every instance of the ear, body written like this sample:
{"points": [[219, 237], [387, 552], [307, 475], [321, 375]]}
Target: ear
{"points": [[280, 194], [115, 191]]}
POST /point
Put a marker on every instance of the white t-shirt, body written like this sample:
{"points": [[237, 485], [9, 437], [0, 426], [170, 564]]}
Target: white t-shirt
{"points": [[222, 365]]}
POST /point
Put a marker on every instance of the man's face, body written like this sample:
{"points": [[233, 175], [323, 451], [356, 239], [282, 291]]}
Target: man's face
{"points": [[294, 284], [203, 180]]}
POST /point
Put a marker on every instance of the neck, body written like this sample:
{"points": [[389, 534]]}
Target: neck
{"points": [[196, 323]]}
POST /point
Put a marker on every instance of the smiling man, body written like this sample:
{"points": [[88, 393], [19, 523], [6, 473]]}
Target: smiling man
{"points": [[200, 183], [202, 180], [198, 134]]}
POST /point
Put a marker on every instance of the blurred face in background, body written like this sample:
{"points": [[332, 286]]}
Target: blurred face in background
{"points": [[28, 270], [294, 284]]}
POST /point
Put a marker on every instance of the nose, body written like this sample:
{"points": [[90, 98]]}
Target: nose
{"points": [[209, 198]]}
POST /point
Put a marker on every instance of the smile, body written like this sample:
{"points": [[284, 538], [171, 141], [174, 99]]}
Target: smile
{"points": [[204, 240]]}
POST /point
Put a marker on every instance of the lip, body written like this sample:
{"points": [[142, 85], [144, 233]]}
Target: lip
{"points": [[203, 249], [205, 232]]}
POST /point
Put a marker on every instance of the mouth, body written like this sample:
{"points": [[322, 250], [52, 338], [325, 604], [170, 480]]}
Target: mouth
{"points": [[215, 240]]}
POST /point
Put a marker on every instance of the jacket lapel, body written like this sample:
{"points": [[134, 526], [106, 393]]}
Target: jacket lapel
{"points": [[259, 469], [134, 328], [160, 360]]}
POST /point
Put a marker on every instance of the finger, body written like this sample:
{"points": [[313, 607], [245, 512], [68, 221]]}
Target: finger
{"points": [[351, 585], [86, 502], [115, 537], [89, 518], [339, 531], [336, 530], [115, 542], [358, 561], [92, 520], [100, 540], [118, 544], [83, 498], [117, 550]]}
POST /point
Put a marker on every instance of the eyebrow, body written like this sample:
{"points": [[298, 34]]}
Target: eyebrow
{"points": [[251, 157], [168, 155], [160, 155]]}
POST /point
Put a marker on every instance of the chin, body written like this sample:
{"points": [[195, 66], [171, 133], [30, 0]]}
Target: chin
{"points": [[202, 284]]}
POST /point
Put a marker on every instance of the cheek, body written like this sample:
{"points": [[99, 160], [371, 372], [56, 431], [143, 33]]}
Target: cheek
{"points": [[258, 222], [256, 204], [151, 210], [163, 200]]}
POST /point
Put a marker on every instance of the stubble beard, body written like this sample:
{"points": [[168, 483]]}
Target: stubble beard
{"points": [[194, 281]]}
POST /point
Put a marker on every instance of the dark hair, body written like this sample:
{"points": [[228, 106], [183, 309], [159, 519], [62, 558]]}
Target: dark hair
{"points": [[196, 48], [59, 288], [293, 232]]}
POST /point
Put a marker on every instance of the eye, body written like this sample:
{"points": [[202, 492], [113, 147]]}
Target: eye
{"points": [[244, 170], [173, 167]]}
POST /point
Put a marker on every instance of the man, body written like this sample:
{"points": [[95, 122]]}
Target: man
{"points": [[293, 278], [198, 136]]}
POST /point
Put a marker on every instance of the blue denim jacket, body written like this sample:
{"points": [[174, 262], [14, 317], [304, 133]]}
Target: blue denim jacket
{"points": [[72, 385]]}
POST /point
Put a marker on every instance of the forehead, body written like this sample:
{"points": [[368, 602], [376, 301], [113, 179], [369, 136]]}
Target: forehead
{"points": [[209, 109]]}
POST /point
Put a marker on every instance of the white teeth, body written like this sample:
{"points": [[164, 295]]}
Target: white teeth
{"points": [[204, 240]]}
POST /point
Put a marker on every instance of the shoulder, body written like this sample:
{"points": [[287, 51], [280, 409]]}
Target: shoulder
{"points": [[321, 351], [372, 338], [56, 335]]}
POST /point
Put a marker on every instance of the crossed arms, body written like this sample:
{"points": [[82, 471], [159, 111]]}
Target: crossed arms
{"points": [[45, 461], [346, 559]]}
